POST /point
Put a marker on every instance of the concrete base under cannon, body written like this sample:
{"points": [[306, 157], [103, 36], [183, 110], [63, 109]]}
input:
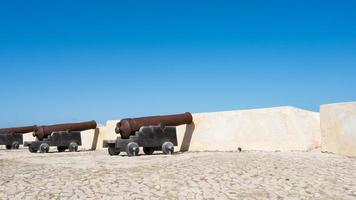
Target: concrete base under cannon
{"points": [[62, 140], [11, 141], [151, 138]]}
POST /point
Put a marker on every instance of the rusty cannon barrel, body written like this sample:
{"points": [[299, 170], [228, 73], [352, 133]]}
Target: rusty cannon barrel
{"points": [[43, 131], [129, 126], [18, 130]]}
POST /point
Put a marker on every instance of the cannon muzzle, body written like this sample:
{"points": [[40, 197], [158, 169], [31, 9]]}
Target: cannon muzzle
{"points": [[43, 131], [129, 126], [18, 130]]}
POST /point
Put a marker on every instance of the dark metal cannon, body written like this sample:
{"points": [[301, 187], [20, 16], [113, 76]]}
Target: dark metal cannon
{"points": [[18, 130], [63, 136], [152, 133], [12, 137], [129, 126], [44, 131]]}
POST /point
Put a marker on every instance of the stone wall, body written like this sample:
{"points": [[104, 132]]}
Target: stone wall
{"points": [[268, 129], [338, 128], [272, 129]]}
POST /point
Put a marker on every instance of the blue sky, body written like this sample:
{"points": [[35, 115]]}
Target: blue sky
{"points": [[63, 61]]}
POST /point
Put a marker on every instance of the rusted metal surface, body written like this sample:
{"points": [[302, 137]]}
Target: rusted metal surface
{"points": [[43, 131], [18, 130], [129, 126]]}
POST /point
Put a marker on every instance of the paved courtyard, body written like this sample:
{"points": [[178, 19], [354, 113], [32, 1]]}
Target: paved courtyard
{"points": [[206, 175]]}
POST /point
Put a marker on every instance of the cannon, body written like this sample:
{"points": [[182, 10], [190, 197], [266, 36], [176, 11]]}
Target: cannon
{"points": [[152, 133], [12, 138], [63, 136], [127, 127]]}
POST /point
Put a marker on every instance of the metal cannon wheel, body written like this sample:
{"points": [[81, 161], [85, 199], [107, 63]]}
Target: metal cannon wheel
{"points": [[132, 149], [15, 145], [44, 148], [73, 147], [113, 151], [61, 148], [32, 149], [148, 150], [168, 148]]}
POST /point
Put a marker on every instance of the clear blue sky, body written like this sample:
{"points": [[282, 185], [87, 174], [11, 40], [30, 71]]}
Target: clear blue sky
{"points": [[63, 61]]}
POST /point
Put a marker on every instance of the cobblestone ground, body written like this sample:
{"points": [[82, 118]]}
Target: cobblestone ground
{"points": [[208, 175]]}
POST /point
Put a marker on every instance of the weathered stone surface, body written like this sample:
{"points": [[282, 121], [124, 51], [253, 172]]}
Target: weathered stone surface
{"points": [[338, 128], [281, 128], [203, 175]]}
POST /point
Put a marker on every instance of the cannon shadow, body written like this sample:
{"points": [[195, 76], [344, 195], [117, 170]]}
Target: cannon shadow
{"points": [[189, 129]]}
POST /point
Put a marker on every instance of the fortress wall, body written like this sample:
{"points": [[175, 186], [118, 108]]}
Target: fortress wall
{"points": [[338, 128], [271, 129]]}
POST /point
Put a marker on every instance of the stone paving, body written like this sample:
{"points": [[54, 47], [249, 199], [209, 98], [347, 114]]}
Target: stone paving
{"points": [[205, 175]]}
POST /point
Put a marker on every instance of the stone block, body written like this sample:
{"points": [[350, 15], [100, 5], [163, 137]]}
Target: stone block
{"points": [[338, 128]]}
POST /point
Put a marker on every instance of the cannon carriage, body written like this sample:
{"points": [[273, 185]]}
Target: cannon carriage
{"points": [[62, 136], [12, 138], [156, 133]]}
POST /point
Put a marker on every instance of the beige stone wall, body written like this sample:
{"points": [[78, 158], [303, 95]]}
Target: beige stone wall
{"points": [[271, 129], [90, 138], [28, 137], [107, 132], [338, 128], [93, 139], [281, 128]]}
